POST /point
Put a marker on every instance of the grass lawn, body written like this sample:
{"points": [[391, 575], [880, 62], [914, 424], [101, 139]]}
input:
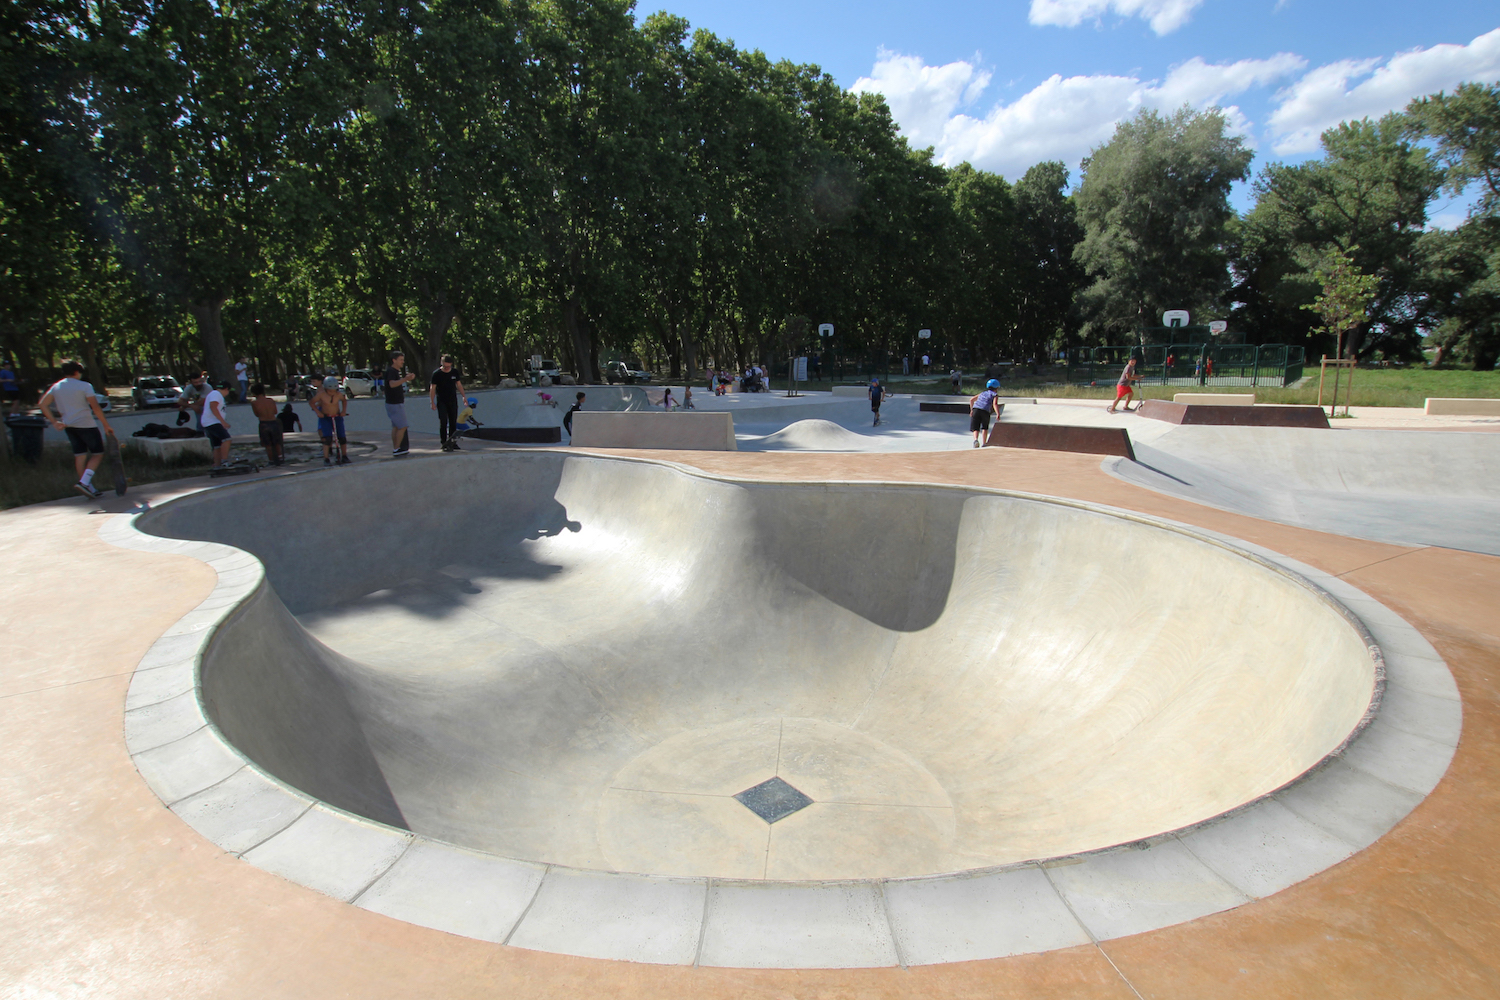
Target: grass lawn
{"points": [[1372, 387]]}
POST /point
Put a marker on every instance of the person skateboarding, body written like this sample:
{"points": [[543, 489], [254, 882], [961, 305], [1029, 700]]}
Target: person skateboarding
{"points": [[443, 389], [1124, 388], [215, 427], [877, 396], [264, 408], [395, 403], [77, 414], [981, 406], [568, 417]]}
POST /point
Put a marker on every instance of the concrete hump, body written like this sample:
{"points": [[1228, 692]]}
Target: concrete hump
{"points": [[1063, 437], [1443, 407]]}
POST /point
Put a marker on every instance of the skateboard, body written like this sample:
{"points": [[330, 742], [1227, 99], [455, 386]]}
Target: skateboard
{"points": [[238, 467], [116, 463]]}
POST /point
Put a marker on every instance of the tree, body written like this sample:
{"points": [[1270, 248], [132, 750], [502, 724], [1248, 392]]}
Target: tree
{"points": [[1154, 203], [1344, 303]]}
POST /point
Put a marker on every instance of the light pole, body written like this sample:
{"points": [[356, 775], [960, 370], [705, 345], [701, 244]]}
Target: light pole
{"points": [[825, 338]]}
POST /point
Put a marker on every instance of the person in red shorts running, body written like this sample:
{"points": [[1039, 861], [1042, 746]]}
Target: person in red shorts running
{"points": [[1123, 389]]}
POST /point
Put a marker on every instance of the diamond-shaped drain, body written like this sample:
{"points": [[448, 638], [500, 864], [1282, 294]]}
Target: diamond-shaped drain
{"points": [[773, 800]]}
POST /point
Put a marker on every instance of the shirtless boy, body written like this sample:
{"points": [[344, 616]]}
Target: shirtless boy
{"points": [[331, 405], [264, 408]]}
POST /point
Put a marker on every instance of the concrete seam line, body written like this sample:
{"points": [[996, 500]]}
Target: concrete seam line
{"points": [[179, 739], [410, 839], [529, 904], [1243, 894], [200, 791], [890, 924], [708, 892], [1090, 932], [278, 832], [84, 680]]}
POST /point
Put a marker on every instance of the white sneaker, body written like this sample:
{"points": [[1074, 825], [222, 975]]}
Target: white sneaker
{"points": [[87, 489]]}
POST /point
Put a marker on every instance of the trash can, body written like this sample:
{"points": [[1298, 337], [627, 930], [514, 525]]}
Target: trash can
{"points": [[26, 435]]}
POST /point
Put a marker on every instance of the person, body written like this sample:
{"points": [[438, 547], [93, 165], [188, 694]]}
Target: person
{"points": [[216, 426], [395, 402], [289, 420], [1123, 388], [242, 376], [192, 399], [291, 388], [330, 405], [1208, 367], [568, 417], [466, 418], [667, 402], [981, 406], [955, 377], [264, 408], [10, 387], [926, 361], [1171, 361], [79, 417], [687, 398], [905, 365], [877, 396], [443, 389]]}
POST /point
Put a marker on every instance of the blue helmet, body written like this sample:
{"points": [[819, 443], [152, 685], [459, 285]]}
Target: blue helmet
{"points": [[993, 383], [472, 401]]}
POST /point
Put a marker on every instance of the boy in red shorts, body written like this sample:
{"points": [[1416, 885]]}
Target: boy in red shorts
{"points": [[1123, 389]]}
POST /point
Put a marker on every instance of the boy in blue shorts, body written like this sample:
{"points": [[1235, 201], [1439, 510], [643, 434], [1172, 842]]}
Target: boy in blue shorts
{"points": [[330, 405]]}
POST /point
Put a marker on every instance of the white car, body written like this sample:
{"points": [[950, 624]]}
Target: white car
{"points": [[358, 383]]}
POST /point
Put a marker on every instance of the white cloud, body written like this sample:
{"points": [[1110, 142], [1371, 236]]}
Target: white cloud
{"points": [[1165, 16], [1060, 119], [1324, 97]]}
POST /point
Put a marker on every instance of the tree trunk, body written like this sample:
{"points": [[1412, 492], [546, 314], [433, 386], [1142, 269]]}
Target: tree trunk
{"points": [[397, 325], [578, 333], [208, 314]]}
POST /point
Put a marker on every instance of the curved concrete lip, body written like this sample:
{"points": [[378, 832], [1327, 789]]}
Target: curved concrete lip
{"points": [[1342, 805]]}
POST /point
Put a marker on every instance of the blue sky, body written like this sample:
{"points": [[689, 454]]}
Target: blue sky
{"points": [[1008, 83]]}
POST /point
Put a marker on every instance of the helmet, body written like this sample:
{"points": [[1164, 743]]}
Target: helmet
{"points": [[472, 401], [993, 383], [330, 383]]}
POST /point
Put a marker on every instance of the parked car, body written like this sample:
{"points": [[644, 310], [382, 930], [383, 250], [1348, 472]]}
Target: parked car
{"points": [[154, 390], [549, 368], [358, 383], [617, 372]]}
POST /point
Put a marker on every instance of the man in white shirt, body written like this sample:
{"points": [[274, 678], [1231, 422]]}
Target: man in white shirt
{"points": [[215, 426], [242, 376], [78, 415]]}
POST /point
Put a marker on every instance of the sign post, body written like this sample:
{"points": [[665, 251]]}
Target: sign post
{"points": [[825, 337]]}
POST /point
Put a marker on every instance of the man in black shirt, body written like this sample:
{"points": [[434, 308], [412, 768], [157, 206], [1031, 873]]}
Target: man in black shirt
{"points": [[395, 402], [443, 389]]}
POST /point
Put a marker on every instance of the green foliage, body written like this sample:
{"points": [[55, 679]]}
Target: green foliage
{"points": [[1344, 302], [1153, 203]]}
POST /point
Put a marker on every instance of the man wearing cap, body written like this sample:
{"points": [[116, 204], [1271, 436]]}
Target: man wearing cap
{"points": [[330, 405], [443, 390], [981, 406]]}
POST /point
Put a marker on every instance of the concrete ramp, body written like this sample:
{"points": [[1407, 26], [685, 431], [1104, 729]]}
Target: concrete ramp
{"points": [[583, 661], [814, 435]]}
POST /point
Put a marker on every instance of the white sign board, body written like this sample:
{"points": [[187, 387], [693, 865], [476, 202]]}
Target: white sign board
{"points": [[924, 334], [825, 329], [1217, 327], [536, 362], [799, 370], [1174, 317]]}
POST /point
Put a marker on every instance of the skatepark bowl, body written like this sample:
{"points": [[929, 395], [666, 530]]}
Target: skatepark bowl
{"points": [[616, 665]]}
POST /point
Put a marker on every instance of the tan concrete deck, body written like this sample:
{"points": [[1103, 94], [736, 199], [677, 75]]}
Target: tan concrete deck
{"points": [[106, 893]]}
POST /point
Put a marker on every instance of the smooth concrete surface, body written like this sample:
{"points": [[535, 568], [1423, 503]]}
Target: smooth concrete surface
{"points": [[490, 689], [1215, 398], [1437, 406], [702, 431], [132, 904], [1404, 487], [168, 449]]}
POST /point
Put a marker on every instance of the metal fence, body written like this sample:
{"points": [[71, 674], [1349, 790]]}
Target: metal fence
{"points": [[1272, 365]]}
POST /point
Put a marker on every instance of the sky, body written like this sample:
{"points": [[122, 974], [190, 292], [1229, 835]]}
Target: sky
{"points": [[1005, 84]]}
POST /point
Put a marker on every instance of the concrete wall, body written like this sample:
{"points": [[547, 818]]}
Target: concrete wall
{"points": [[1443, 407], [1062, 437], [1215, 398], [705, 431]]}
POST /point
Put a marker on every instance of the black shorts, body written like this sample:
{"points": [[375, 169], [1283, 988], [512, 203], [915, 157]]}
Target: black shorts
{"points": [[85, 440], [10, 395], [217, 435], [270, 433], [979, 420]]}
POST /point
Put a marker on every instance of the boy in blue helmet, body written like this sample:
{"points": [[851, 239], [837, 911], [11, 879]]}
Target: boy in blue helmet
{"points": [[877, 396], [981, 406]]}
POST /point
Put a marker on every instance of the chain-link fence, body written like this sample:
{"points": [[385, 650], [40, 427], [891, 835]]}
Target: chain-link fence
{"points": [[1271, 365]]}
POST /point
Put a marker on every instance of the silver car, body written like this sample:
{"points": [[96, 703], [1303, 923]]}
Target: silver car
{"points": [[358, 383]]}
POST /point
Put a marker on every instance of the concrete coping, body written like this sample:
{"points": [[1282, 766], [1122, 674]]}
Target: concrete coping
{"points": [[1439, 406], [1343, 804]]}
